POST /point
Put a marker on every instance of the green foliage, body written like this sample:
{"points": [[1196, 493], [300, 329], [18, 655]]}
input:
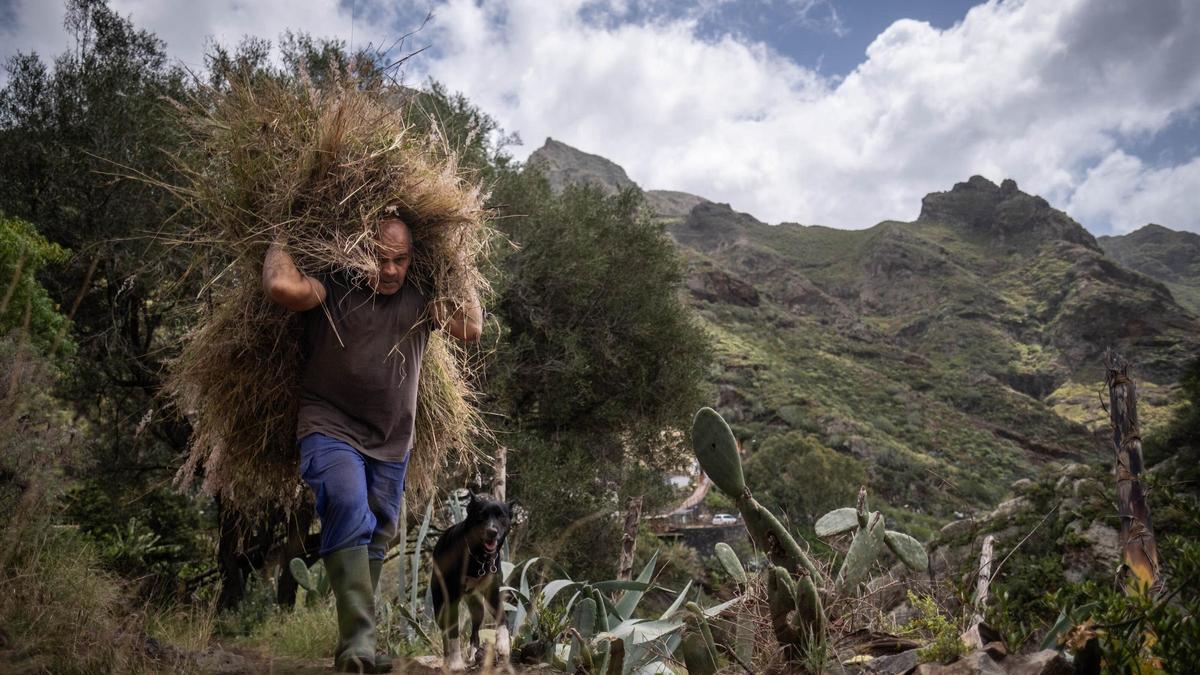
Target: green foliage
{"points": [[68, 127], [1179, 441], [798, 476], [305, 633], [156, 538], [24, 303], [1103, 625], [941, 635], [61, 610], [598, 341]]}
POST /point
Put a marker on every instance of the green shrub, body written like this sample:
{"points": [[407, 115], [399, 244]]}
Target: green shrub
{"points": [[942, 643]]}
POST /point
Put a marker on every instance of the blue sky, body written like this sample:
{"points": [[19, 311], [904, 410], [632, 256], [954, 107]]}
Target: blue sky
{"points": [[813, 111]]}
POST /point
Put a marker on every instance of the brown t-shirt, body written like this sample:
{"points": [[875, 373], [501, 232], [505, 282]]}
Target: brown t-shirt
{"points": [[362, 360]]}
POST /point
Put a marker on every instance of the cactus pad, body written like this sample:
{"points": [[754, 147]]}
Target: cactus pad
{"points": [[301, 574], [837, 521], [731, 564], [865, 549], [716, 449], [908, 550]]}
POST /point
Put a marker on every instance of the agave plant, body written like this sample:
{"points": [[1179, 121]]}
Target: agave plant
{"points": [[603, 635]]}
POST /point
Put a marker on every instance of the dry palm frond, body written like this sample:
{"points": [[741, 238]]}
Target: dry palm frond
{"points": [[277, 156]]}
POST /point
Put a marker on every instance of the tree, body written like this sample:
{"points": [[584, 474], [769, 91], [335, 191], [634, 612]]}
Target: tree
{"points": [[67, 133], [803, 478], [598, 363], [25, 306]]}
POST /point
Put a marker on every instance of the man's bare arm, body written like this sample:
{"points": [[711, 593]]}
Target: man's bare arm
{"points": [[285, 284], [464, 323]]}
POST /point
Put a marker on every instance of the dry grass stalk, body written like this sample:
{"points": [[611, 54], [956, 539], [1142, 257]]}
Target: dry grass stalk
{"points": [[277, 156]]}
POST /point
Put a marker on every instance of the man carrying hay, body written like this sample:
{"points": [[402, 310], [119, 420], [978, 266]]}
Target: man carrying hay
{"points": [[363, 341]]}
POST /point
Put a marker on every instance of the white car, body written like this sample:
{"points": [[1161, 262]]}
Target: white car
{"points": [[724, 519]]}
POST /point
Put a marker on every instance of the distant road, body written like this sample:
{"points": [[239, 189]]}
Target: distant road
{"points": [[693, 499]]}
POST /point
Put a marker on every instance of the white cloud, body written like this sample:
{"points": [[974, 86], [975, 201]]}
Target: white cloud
{"points": [[1049, 92], [1124, 191], [1039, 91], [187, 26]]}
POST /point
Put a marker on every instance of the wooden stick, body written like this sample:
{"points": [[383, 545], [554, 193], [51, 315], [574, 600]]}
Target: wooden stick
{"points": [[633, 513], [985, 577], [1138, 546]]}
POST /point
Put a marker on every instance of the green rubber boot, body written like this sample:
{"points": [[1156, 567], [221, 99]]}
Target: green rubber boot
{"points": [[350, 576], [383, 661]]}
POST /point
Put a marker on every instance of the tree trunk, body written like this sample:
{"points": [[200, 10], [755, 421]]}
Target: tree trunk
{"points": [[985, 577], [500, 477], [1139, 550], [633, 514]]}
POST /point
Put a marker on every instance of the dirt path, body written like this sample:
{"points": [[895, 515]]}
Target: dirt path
{"points": [[220, 660]]}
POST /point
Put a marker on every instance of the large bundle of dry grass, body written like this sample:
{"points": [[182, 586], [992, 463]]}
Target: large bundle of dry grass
{"points": [[280, 156]]}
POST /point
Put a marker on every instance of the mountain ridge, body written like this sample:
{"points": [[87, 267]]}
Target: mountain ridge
{"points": [[961, 348]]}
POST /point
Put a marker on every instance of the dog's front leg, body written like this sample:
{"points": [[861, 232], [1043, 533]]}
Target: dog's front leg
{"points": [[503, 643], [451, 648], [475, 604]]}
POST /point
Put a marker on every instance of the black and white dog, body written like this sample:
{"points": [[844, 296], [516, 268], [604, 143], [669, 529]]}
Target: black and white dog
{"points": [[466, 565]]}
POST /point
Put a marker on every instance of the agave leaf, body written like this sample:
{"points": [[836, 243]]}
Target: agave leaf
{"points": [[415, 624], [552, 589], [837, 521], [630, 599], [908, 550], [731, 563], [416, 559], [585, 624], [710, 612], [641, 630], [506, 570], [716, 450], [679, 600], [515, 593], [619, 585]]}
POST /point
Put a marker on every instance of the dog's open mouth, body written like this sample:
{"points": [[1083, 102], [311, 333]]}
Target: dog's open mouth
{"points": [[490, 546]]}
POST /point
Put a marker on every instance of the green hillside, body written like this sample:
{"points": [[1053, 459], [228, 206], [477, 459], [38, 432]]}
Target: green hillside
{"points": [[1162, 254], [946, 357]]}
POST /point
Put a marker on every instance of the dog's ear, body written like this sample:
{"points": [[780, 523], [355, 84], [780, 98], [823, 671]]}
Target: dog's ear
{"points": [[512, 506]]}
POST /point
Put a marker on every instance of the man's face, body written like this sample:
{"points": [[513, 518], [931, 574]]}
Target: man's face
{"points": [[393, 251]]}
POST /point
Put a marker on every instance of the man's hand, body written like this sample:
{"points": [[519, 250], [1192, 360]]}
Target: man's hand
{"points": [[285, 284], [464, 323]]}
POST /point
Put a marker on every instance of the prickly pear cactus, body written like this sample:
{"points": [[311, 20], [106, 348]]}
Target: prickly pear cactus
{"points": [[314, 580], [716, 450], [796, 613], [870, 540], [699, 649]]}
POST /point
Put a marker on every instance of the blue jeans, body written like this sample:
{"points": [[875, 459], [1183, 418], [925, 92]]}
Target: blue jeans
{"points": [[358, 498]]}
